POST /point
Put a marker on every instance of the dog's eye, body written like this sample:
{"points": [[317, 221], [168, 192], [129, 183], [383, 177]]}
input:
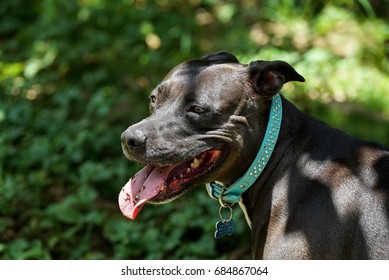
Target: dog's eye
{"points": [[197, 110]]}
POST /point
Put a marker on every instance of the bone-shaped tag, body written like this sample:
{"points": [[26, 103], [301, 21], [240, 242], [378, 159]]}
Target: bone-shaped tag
{"points": [[224, 228]]}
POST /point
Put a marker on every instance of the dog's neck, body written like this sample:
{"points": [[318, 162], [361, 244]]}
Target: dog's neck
{"points": [[232, 194], [254, 200]]}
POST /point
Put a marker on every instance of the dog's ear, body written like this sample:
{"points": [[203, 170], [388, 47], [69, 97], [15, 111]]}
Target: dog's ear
{"points": [[220, 57], [268, 77]]}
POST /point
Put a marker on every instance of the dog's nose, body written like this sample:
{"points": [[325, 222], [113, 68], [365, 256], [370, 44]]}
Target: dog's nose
{"points": [[133, 139]]}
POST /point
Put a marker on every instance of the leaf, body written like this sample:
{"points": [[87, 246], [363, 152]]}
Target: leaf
{"points": [[65, 212]]}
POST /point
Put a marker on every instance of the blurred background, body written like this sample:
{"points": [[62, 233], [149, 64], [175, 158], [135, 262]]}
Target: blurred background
{"points": [[75, 74]]}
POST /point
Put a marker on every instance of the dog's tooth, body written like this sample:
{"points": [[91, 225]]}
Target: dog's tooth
{"points": [[196, 162], [188, 170], [181, 176]]}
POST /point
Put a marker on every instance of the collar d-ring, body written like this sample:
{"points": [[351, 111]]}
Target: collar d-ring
{"points": [[224, 220]]}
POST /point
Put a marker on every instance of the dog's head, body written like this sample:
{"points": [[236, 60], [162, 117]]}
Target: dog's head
{"points": [[206, 121]]}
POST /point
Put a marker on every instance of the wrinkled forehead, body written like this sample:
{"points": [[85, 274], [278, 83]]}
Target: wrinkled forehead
{"points": [[206, 84], [193, 73]]}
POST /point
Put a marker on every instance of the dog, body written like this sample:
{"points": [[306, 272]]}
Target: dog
{"points": [[322, 194]]}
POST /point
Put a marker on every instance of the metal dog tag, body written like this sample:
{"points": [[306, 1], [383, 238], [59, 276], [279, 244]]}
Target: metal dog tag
{"points": [[224, 228]]}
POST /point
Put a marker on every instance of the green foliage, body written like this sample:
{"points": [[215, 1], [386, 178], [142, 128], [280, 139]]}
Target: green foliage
{"points": [[75, 74]]}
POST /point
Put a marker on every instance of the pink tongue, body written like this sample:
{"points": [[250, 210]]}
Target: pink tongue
{"points": [[145, 185]]}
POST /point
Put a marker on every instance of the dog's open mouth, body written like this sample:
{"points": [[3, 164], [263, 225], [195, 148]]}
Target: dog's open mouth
{"points": [[161, 184]]}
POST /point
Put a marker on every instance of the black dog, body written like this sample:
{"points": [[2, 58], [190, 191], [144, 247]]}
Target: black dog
{"points": [[322, 195]]}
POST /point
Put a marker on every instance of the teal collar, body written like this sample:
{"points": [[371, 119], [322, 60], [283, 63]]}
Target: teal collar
{"points": [[232, 194]]}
